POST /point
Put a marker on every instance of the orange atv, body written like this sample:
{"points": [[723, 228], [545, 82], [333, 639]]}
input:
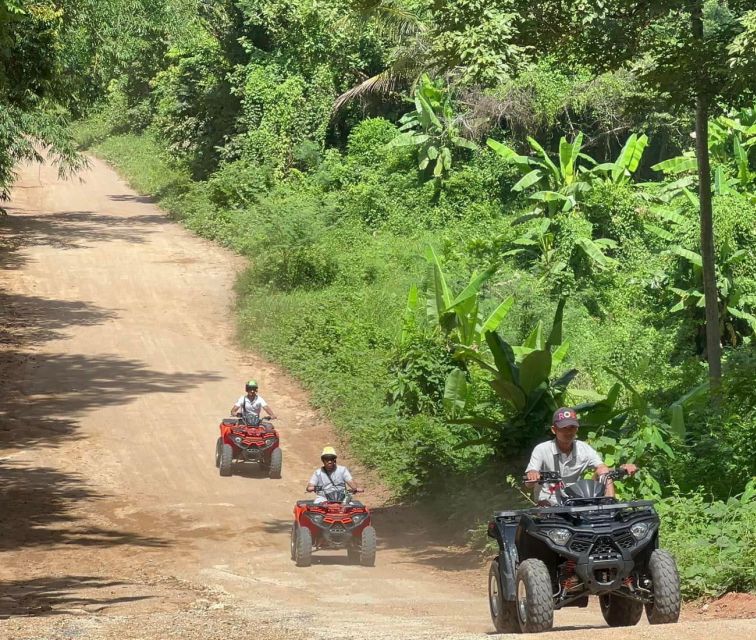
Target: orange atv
{"points": [[250, 440], [337, 523]]}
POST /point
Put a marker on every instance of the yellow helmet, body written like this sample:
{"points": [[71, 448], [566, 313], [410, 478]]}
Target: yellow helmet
{"points": [[328, 451]]}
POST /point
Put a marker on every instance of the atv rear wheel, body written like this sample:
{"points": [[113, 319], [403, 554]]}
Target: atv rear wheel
{"points": [[535, 604], [665, 608], [226, 459], [503, 612], [368, 547], [218, 445], [276, 464], [619, 611], [302, 546]]}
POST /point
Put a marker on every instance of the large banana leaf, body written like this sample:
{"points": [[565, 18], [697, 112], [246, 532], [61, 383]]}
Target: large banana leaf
{"points": [[503, 357], [677, 165], [534, 370], [497, 315], [593, 251], [555, 337], [506, 153], [691, 256], [568, 154], [547, 161], [441, 294], [630, 156], [455, 390], [509, 392], [528, 180]]}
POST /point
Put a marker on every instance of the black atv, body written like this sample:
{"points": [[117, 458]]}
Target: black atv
{"points": [[589, 544]]}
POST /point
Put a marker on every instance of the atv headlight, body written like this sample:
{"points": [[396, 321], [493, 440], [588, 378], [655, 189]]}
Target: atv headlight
{"points": [[639, 530], [316, 517], [237, 439], [357, 519], [558, 536]]}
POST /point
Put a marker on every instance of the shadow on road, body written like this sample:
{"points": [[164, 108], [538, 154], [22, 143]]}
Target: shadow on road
{"points": [[39, 507], [59, 595]]}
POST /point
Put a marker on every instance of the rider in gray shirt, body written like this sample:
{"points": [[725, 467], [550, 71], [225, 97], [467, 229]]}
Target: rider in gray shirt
{"points": [[566, 455]]}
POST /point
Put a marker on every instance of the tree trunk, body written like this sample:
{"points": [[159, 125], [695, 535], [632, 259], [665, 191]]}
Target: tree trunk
{"points": [[713, 339]]}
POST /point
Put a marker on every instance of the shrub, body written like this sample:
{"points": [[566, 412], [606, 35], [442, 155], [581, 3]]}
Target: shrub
{"points": [[714, 542]]}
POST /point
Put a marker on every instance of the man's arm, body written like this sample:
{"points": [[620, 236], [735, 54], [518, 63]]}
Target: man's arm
{"points": [[533, 470], [235, 409], [269, 411]]}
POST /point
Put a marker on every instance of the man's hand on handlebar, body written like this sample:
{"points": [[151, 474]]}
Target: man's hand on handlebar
{"points": [[531, 477]]}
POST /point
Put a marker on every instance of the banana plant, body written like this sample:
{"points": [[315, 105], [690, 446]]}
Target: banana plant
{"points": [[521, 378], [539, 244], [459, 315], [432, 128], [622, 169], [731, 142], [559, 185], [562, 185], [733, 304]]}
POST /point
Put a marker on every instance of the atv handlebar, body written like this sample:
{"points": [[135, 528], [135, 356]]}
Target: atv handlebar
{"points": [[318, 488], [553, 477]]}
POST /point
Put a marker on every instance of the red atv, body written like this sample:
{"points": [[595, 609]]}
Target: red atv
{"points": [[250, 440], [337, 523]]}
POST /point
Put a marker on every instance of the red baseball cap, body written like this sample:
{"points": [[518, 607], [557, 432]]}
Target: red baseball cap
{"points": [[565, 417]]}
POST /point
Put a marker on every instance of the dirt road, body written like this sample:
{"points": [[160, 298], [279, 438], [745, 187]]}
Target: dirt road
{"points": [[117, 358]]}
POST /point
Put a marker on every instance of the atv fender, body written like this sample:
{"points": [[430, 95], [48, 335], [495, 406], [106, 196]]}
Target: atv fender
{"points": [[508, 557]]}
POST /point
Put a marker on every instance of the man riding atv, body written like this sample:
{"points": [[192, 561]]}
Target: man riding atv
{"points": [[250, 403], [567, 456], [330, 478]]}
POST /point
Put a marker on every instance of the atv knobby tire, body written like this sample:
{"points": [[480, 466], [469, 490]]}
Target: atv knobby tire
{"points": [[535, 603], [368, 547], [619, 611], [665, 608], [303, 546], [503, 612], [218, 445], [226, 459], [276, 464]]}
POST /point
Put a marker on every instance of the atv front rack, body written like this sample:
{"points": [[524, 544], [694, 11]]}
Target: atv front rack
{"points": [[559, 509]]}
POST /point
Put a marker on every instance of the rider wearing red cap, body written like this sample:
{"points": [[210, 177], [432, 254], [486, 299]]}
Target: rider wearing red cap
{"points": [[568, 456]]}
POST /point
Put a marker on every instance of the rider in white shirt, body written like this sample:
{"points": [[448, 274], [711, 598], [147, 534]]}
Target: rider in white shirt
{"points": [[330, 476], [250, 403], [568, 456]]}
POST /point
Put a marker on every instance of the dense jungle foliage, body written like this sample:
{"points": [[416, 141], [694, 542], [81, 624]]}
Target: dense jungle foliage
{"points": [[459, 216]]}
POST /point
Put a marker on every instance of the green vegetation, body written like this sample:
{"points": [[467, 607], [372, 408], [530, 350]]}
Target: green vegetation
{"points": [[458, 218]]}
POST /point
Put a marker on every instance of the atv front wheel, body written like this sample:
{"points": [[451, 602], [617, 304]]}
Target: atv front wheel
{"points": [[218, 445], [303, 546], [619, 611], [226, 459], [535, 604], [503, 612], [665, 608], [368, 547], [276, 464]]}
